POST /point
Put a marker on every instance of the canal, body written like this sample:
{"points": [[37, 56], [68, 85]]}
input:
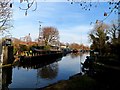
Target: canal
{"points": [[37, 75]]}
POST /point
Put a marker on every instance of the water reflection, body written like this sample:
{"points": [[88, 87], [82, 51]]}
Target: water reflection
{"points": [[78, 54], [27, 74], [35, 65], [49, 71], [74, 55], [6, 77]]}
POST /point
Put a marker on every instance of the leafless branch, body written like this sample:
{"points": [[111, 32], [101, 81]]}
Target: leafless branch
{"points": [[29, 5]]}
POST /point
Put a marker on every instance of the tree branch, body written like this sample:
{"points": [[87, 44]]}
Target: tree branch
{"points": [[29, 5]]}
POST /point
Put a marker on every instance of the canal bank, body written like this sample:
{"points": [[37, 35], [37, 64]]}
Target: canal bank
{"points": [[104, 78], [77, 82]]}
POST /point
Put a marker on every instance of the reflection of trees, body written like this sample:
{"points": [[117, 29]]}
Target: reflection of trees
{"points": [[36, 63], [6, 77], [49, 71], [74, 55], [81, 54]]}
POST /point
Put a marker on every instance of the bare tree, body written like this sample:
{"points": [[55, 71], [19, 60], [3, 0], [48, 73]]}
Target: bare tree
{"points": [[74, 46], [112, 7], [5, 15], [50, 35], [29, 4], [114, 31]]}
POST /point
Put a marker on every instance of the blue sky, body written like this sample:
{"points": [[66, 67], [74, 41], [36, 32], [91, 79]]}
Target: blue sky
{"points": [[72, 22]]}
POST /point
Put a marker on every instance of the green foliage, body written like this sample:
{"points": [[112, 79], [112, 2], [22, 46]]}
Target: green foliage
{"points": [[47, 47], [106, 41], [98, 37], [23, 48], [15, 51]]}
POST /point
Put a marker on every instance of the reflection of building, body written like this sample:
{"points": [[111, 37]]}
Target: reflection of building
{"points": [[6, 77]]}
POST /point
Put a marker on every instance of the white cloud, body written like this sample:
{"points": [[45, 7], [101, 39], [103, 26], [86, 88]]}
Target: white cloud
{"points": [[23, 30], [65, 17], [78, 34]]}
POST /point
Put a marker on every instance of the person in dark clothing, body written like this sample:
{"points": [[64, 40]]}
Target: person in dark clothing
{"points": [[86, 63]]}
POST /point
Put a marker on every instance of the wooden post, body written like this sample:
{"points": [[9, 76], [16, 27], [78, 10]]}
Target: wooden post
{"points": [[7, 55], [6, 77], [0, 52]]}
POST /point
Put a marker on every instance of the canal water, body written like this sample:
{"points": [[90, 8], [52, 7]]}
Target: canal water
{"points": [[37, 75]]}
